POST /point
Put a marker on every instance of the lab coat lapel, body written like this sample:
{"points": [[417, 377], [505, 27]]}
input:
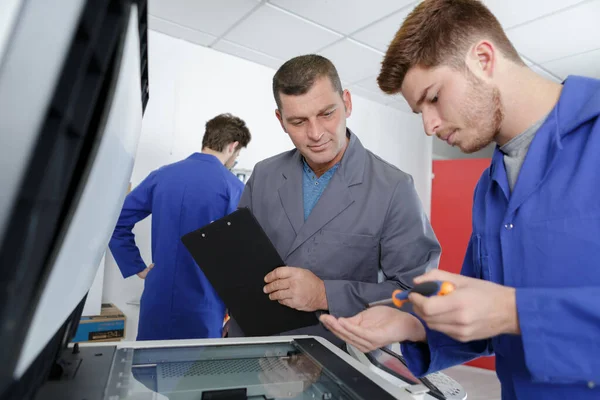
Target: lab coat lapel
{"points": [[498, 172], [290, 192], [538, 162], [336, 197]]}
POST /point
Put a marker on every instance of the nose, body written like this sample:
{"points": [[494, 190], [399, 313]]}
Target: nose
{"points": [[314, 130], [431, 122]]}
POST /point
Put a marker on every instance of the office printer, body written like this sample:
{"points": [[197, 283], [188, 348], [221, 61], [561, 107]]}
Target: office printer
{"points": [[73, 90]]}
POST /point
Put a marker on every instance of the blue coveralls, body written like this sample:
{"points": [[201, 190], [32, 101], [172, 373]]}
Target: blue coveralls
{"points": [[178, 301], [544, 240]]}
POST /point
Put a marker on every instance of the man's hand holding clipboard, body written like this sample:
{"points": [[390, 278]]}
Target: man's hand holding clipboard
{"points": [[236, 256], [296, 288]]}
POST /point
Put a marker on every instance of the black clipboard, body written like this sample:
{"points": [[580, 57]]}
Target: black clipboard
{"points": [[236, 254]]}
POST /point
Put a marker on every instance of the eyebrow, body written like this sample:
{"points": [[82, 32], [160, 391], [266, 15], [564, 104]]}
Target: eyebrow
{"points": [[422, 98], [292, 117]]}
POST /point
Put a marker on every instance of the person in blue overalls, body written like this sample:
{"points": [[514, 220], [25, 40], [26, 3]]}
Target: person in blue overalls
{"points": [[529, 289], [178, 302]]}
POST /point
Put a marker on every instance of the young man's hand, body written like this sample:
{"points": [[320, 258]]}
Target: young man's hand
{"points": [[145, 272], [476, 309], [376, 327]]}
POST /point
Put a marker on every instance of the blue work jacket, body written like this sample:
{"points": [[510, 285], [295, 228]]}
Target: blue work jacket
{"points": [[544, 240], [178, 302]]}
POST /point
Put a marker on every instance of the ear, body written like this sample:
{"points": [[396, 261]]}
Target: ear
{"points": [[347, 98], [280, 118], [482, 58], [232, 147]]}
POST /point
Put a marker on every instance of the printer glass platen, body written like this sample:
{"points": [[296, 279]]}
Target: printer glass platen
{"points": [[301, 369]]}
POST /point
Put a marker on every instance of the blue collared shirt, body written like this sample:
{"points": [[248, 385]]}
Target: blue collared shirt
{"points": [[313, 187]]}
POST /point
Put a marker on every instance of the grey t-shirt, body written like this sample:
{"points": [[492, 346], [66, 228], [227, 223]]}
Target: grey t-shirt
{"points": [[516, 150]]}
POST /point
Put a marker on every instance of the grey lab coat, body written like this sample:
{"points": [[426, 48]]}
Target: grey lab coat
{"points": [[368, 223]]}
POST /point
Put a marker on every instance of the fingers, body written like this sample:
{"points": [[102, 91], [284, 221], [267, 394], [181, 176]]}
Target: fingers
{"points": [[332, 324], [359, 336], [279, 273], [340, 331], [439, 275], [356, 320], [142, 274], [454, 318], [279, 284], [281, 295], [327, 319], [445, 314], [427, 307], [434, 275]]}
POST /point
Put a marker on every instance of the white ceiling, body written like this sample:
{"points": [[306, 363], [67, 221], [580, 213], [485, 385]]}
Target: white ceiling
{"points": [[555, 37]]}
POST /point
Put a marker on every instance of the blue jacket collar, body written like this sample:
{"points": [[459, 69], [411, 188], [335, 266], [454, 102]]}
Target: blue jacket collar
{"points": [[204, 157], [579, 102]]}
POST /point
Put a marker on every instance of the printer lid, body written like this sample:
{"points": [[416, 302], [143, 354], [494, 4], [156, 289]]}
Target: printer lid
{"points": [[73, 81]]}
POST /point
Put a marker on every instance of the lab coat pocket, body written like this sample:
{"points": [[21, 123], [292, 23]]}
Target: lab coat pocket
{"points": [[349, 256], [481, 259]]}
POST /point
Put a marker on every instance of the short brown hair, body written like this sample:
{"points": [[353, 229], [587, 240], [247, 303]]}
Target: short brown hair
{"points": [[223, 130], [296, 76], [440, 32]]}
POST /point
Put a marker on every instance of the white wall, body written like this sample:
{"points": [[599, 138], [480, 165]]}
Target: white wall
{"points": [[190, 84], [398, 138]]}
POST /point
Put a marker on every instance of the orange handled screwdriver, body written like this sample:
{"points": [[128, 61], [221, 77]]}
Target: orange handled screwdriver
{"points": [[427, 289]]}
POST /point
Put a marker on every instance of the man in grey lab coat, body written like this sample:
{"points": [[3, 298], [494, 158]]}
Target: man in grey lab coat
{"points": [[348, 225]]}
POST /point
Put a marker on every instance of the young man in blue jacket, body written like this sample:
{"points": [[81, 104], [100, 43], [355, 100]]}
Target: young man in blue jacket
{"points": [[529, 290], [178, 302]]}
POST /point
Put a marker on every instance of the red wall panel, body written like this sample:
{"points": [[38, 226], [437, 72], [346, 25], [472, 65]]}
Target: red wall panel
{"points": [[451, 203]]}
